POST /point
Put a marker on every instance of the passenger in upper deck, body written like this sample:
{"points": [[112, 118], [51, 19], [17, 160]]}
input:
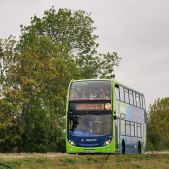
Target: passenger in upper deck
{"points": [[84, 94], [74, 95], [104, 94]]}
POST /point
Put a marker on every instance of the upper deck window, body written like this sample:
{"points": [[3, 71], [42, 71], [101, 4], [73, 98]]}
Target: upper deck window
{"points": [[144, 106], [131, 97], [134, 98], [117, 92], [137, 100], [121, 93], [141, 101], [90, 90], [126, 95]]}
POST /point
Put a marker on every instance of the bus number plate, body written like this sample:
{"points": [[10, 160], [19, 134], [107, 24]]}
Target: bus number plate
{"points": [[90, 151]]}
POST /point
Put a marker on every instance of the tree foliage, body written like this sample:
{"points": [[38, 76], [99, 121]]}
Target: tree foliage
{"points": [[35, 72], [73, 33], [158, 125]]}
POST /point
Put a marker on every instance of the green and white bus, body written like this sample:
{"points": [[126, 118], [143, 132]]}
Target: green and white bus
{"points": [[104, 116]]}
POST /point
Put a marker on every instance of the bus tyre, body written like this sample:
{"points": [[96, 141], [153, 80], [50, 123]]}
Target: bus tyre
{"points": [[123, 147], [139, 147]]}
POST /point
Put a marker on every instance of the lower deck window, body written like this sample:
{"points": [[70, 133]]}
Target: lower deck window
{"points": [[131, 129], [127, 128], [139, 130]]}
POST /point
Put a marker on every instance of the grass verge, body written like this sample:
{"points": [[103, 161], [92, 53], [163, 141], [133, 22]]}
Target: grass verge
{"points": [[148, 161]]}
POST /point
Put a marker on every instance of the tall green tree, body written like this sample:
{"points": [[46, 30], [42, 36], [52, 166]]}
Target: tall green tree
{"points": [[39, 77], [158, 125], [73, 32], [10, 129]]}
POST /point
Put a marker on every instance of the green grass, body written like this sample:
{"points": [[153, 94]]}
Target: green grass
{"points": [[87, 162]]}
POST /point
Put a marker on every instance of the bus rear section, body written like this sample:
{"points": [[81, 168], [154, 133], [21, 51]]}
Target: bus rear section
{"points": [[89, 117], [130, 123]]}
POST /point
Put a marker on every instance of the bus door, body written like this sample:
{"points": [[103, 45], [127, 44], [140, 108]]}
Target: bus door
{"points": [[117, 126]]}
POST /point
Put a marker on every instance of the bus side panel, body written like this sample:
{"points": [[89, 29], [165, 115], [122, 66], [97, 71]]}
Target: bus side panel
{"points": [[135, 115]]}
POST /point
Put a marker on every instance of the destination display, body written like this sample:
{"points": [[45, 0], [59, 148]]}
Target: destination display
{"points": [[89, 107]]}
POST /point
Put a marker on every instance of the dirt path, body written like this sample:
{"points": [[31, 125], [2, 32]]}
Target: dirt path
{"points": [[30, 155], [52, 155], [157, 152]]}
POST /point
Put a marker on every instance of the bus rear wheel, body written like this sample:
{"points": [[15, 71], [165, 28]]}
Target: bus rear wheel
{"points": [[123, 147], [139, 147]]}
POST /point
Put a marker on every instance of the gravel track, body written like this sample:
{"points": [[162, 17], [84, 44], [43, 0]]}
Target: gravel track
{"points": [[53, 155], [31, 155]]}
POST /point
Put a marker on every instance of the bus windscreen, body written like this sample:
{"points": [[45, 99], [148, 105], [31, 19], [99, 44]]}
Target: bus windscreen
{"points": [[90, 125]]}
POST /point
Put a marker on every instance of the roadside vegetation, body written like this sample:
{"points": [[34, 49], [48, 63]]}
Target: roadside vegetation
{"points": [[154, 161], [158, 125]]}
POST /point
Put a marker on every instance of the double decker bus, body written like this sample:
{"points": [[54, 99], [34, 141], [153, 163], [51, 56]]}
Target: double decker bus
{"points": [[104, 116]]}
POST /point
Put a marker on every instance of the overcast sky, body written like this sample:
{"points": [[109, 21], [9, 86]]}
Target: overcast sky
{"points": [[138, 30]]}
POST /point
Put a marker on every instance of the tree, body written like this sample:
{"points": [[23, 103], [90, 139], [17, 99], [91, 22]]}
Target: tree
{"points": [[73, 32], [31, 78], [10, 129], [158, 124]]}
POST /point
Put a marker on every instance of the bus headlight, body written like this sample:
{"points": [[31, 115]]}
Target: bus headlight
{"points": [[72, 142], [107, 142]]}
